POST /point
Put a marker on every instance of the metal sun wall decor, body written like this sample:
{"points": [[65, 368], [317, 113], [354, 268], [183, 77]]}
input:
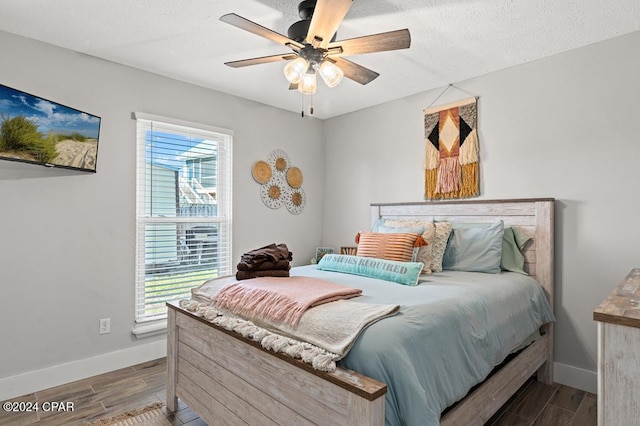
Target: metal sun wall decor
{"points": [[280, 182]]}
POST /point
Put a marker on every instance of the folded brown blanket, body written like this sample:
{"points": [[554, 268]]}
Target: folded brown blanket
{"points": [[270, 253], [245, 275], [281, 265]]}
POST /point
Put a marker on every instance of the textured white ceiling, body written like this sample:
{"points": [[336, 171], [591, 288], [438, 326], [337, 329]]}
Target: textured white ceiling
{"points": [[452, 40]]}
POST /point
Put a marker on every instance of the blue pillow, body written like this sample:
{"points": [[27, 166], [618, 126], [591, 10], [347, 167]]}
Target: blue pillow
{"points": [[476, 248], [377, 224], [406, 273], [383, 229]]}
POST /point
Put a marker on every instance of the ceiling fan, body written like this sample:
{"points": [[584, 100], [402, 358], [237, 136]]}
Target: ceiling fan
{"points": [[315, 50]]}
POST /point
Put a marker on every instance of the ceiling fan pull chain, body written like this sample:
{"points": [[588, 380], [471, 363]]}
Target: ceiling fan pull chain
{"points": [[302, 107], [311, 107]]}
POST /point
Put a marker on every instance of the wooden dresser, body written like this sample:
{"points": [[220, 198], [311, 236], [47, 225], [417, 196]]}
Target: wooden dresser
{"points": [[618, 318]]}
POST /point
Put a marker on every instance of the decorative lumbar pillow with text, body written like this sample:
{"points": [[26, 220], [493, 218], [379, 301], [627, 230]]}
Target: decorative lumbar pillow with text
{"points": [[406, 273]]}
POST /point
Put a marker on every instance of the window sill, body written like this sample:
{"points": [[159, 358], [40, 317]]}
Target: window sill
{"points": [[149, 329]]}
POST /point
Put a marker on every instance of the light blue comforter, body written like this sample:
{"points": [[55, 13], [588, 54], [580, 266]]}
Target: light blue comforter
{"points": [[452, 330]]}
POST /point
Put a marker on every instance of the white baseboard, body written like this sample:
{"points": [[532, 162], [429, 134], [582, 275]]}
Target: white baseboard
{"points": [[575, 377], [33, 381]]}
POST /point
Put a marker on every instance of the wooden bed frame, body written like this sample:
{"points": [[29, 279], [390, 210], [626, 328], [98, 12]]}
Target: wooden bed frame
{"points": [[231, 380]]}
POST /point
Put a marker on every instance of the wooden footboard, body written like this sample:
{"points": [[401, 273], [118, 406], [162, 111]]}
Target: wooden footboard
{"points": [[229, 380]]}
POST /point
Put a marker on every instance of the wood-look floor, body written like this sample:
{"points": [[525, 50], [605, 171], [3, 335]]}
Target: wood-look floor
{"points": [[538, 404], [133, 387]]}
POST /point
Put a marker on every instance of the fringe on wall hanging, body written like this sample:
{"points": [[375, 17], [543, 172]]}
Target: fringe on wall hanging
{"points": [[451, 150]]}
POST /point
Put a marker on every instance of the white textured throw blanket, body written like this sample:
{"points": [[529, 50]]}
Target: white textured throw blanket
{"points": [[324, 335], [335, 326]]}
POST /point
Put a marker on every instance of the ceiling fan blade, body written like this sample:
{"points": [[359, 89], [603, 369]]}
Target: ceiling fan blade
{"points": [[355, 72], [252, 27], [261, 60], [392, 40], [327, 17]]}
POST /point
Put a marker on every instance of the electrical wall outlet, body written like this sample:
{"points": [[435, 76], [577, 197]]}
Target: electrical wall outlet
{"points": [[105, 325]]}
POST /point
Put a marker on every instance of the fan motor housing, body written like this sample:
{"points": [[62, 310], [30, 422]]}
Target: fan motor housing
{"points": [[306, 8], [298, 30]]}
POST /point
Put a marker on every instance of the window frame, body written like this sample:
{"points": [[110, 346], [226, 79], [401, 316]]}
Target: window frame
{"points": [[149, 325]]}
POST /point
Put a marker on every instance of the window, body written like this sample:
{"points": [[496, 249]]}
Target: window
{"points": [[183, 212]]}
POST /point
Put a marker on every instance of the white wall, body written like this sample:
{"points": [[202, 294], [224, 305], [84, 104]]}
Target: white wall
{"points": [[67, 238], [563, 127]]}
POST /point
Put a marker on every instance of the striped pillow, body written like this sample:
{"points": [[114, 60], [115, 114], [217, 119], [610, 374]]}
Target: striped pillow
{"points": [[395, 246]]}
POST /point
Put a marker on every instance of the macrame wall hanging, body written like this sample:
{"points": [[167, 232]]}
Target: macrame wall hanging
{"points": [[280, 182], [451, 150]]}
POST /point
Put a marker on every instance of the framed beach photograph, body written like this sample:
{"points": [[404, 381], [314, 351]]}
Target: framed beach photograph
{"points": [[38, 131], [321, 251]]}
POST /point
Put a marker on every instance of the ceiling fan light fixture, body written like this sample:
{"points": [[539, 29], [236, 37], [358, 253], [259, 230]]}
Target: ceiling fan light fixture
{"points": [[330, 73], [295, 70], [315, 50], [308, 85]]}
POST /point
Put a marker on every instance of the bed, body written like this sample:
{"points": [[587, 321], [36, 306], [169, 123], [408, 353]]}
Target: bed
{"points": [[228, 379]]}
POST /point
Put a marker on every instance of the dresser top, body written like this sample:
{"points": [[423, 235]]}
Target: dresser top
{"points": [[622, 306]]}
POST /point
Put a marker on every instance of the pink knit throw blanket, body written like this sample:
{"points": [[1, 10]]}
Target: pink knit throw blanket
{"points": [[279, 299]]}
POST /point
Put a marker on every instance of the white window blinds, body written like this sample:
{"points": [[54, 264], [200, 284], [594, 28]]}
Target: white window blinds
{"points": [[183, 212]]}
